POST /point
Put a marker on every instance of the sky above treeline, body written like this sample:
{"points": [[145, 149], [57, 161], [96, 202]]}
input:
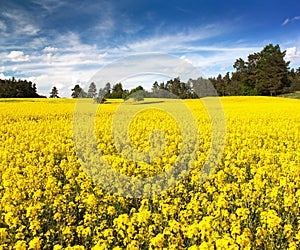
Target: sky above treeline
{"points": [[62, 43]]}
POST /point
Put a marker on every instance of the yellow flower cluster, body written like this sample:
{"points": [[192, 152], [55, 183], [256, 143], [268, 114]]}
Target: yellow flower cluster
{"points": [[250, 201]]}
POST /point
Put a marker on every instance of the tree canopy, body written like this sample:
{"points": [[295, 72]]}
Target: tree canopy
{"points": [[92, 91], [54, 93], [264, 73], [78, 92], [13, 88]]}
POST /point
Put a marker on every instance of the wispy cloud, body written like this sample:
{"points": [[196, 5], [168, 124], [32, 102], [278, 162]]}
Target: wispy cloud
{"points": [[285, 22], [3, 26], [111, 24], [30, 29], [50, 49], [49, 5], [179, 42], [290, 20], [19, 23]]}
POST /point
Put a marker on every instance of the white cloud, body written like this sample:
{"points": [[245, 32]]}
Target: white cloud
{"points": [[144, 67], [288, 20], [50, 49], [292, 55], [146, 80], [57, 69], [29, 79], [290, 52], [17, 56], [186, 59], [7, 77], [220, 60], [63, 79], [4, 77]]}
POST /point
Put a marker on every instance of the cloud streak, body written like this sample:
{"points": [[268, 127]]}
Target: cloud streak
{"points": [[288, 20], [49, 5], [20, 23]]}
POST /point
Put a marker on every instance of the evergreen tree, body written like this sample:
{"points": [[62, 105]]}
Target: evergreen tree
{"points": [[12, 88], [202, 87], [294, 77], [117, 91], [162, 86], [272, 71], [77, 92], [155, 87], [92, 91], [54, 93], [219, 85], [137, 93]]}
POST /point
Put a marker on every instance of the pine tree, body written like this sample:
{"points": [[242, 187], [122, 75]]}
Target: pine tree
{"points": [[54, 93], [77, 92], [271, 76], [92, 91]]}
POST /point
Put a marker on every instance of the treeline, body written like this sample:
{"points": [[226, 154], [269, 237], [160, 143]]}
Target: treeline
{"points": [[264, 73], [173, 88], [12, 88]]}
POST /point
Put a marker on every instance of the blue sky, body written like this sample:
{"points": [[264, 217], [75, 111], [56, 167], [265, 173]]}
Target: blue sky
{"points": [[61, 43]]}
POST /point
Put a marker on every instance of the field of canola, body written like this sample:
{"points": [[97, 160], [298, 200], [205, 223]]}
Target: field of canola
{"points": [[251, 200]]}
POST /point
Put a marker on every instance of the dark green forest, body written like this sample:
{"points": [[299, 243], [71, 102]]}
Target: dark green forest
{"points": [[264, 73], [13, 88]]}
